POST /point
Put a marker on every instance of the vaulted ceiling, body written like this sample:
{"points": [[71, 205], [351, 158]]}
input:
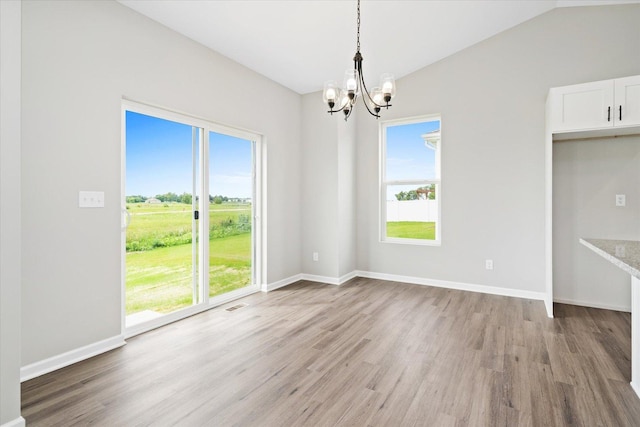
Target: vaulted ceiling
{"points": [[302, 43]]}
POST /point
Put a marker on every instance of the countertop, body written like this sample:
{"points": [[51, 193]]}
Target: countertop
{"points": [[623, 253]]}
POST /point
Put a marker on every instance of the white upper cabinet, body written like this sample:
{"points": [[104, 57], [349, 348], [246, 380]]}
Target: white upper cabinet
{"points": [[597, 105], [627, 101]]}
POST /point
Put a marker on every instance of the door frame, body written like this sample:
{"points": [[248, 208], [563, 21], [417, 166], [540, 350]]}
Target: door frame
{"points": [[258, 235]]}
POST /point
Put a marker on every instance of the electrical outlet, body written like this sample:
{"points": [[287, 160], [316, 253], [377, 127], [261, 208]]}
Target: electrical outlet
{"points": [[488, 264], [315, 256], [621, 200]]}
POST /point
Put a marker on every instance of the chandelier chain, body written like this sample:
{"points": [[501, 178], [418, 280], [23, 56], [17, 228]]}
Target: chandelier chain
{"points": [[358, 34]]}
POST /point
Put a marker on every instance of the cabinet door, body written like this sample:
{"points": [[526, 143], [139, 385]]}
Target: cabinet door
{"points": [[627, 101], [582, 107]]}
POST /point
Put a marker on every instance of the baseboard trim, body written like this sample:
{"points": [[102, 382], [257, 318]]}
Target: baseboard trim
{"points": [[321, 279], [626, 309], [65, 359], [347, 277], [492, 290], [330, 280], [281, 283], [18, 422]]}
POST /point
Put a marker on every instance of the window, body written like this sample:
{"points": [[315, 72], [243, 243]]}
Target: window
{"points": [[410, 187]]}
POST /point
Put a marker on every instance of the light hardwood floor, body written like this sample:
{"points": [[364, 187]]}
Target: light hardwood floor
{"points": [[366, 353]]}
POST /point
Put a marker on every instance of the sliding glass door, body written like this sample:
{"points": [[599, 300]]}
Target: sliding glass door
{"points": [[161, 203], [231, 213], [183, 252]]}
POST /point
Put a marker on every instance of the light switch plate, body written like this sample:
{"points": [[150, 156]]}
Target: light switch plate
{"points": [[91, 199]]}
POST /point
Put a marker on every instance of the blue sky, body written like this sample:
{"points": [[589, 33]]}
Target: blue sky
{"points": [[159, 159], [407, 156]]}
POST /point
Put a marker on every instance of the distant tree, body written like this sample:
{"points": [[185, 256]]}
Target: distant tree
{"points": [[136, 199], [414, 195], [186, 198], [431, 188], [218, 200], [167, 197]]}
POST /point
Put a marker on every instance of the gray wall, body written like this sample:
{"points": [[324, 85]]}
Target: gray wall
{"points": [[587, 174], [346, 196], [10, 212], [79, 60], [328, 191], [319, 159], [492, 100]]}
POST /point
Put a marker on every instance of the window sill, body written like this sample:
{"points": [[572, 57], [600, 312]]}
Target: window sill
{"points": [[414, 242]]}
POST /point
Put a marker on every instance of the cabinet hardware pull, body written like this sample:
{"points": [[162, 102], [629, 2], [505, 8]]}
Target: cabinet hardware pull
{"points": [[609, 114], [620, 113]]}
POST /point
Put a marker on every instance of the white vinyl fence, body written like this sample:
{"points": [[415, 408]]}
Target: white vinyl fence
{"points": [[412, 210]]}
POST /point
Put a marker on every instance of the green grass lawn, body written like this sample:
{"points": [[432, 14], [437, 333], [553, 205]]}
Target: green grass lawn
{"points": [[160, 279], [169, 224], [158, 259], [412, 230]]}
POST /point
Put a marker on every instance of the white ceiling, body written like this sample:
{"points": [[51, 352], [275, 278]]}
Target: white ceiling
{"points": [[302, 43]]}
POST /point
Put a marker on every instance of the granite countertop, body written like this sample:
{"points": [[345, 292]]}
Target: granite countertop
{"points": [[623, 253]]}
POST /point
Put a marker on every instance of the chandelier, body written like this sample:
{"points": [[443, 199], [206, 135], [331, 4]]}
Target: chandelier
{"points": [[344, 99]]}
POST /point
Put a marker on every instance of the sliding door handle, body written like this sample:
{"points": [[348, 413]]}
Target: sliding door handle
{"points": [[609, 114], [620, 116]]}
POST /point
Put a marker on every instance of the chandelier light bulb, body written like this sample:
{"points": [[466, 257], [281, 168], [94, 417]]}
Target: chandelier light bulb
{"points": [[330, 93], [388, 84], [350, 84], [377, 99]]}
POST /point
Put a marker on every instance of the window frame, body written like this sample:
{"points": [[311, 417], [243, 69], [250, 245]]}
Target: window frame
{"points": [[383, 183]]}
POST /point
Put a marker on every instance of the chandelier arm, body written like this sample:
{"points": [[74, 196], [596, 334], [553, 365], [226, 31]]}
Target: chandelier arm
{"points": [[366, 91], [368, 109], [363, 88], [337, 111]]}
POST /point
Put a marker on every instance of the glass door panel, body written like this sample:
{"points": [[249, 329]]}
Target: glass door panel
{"points": [[231, 193], [161, 200]]}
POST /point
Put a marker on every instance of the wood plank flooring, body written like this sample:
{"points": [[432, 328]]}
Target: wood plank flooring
{"points": [[367, 353]]}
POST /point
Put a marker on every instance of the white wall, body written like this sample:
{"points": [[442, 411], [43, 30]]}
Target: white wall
{"points": [[79, 60], [10, 213], [492, 100], [587, 174]]}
